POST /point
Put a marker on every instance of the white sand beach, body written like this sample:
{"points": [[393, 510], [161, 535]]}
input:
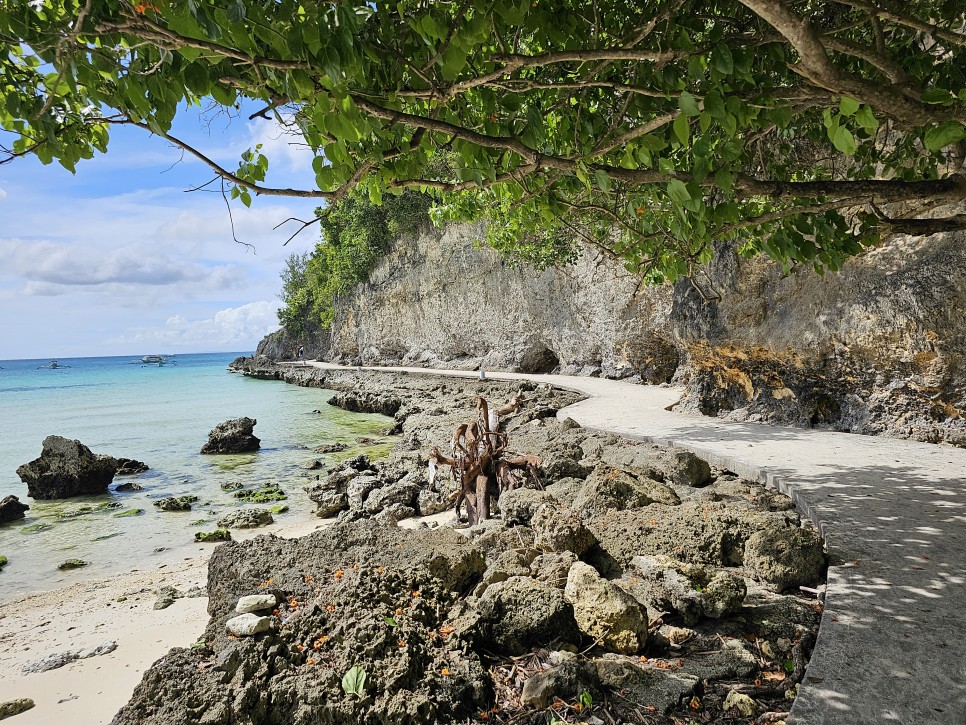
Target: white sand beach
{"points": [[85, 614]]}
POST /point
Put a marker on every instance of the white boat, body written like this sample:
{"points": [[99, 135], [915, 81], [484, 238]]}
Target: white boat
{"points": [[53, 365], [152, 360]]}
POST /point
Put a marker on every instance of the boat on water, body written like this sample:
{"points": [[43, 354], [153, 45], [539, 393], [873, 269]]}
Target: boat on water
{"points": [[153, 360], [53, 364]]}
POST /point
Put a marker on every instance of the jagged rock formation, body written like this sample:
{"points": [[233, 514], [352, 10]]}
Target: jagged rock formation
{"points": [[232, 436], [67, 468], [878, 347]]}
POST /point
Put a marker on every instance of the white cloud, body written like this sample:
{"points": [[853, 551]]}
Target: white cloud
{"points": [[51, 269], [3, 194], [236, 327]]}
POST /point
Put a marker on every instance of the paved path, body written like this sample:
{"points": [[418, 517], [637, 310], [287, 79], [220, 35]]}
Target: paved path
{"points": [[893, 514]]}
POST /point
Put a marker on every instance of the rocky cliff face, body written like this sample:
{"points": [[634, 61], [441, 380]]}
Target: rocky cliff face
{"points": [[879, 347], [442, 298]]}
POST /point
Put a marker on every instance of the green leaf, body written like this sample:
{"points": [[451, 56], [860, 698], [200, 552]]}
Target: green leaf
{"points": [[236, 11], [722, 60], [354, 681], [866, 119], [724, 179], [390, 621], [939, 137], [688, 104], [937, 96], [603, 180], [682, 129], [714, 104], [844, 141], [848, 106], [678, 191]]}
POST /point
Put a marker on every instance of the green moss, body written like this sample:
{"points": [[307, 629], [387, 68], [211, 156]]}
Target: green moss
{"points": [[37, 527], [280, 509], [73, 564], [106, 536], [128, 512], [213, 536], [3, 561], [232, 486], [266, 494], [199, 522], [230, 463]]}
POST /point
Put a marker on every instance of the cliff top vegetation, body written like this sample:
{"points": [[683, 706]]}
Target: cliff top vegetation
{"points": [[806, 130]]}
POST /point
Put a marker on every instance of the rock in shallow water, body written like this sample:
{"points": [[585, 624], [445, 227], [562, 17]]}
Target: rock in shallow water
{"points": [[246, 519], [66, 468], [232, 436], [11, 509]]}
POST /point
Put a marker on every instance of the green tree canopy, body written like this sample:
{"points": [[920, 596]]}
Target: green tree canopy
{"points": [[651, 128]]}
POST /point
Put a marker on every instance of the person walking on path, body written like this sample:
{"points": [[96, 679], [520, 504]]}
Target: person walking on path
{"points": [[298, 355]]}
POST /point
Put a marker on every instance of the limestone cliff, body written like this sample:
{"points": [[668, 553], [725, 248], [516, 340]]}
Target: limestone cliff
{"points": [[879, 347]]}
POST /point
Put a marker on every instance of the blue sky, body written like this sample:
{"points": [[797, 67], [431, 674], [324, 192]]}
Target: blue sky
{"points": [[119, 260]]}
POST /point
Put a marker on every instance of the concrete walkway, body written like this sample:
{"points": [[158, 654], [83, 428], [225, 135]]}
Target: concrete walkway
{"points": [[893, 514]]}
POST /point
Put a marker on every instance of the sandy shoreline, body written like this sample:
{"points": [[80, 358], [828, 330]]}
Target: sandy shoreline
{"points": [[86, 613]]}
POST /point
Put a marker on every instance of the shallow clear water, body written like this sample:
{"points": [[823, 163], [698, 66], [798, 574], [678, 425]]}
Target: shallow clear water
{"points": [[160, 415]]}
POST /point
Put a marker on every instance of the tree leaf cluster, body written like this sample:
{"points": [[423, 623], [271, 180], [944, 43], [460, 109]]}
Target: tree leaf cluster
{"points": [[651, 129]]}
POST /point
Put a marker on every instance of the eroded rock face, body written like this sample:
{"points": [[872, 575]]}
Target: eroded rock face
{"points": [[758, 344], [232, 436], [67, 468]]}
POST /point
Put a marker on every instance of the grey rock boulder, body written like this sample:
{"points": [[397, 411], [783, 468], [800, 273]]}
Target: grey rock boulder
{"points": [[687, 469], [520, 612], [328, 502], [616, 488], [604, 611], [567, 680], [785, 557], [15, 707], [246, 519], [256, 603], [130, 467], [167, 596], [661, 689], [553, 567], [179, 503], [519, 505], [67, 468], [694, 591], [248, 624], [560, 529], [232, 436]]}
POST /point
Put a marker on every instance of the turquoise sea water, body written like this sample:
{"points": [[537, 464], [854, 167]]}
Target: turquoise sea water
{"points": [[159, 415]]}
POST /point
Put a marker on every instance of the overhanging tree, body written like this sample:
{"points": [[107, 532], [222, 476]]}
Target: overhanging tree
{"points": [[650, 128]]}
